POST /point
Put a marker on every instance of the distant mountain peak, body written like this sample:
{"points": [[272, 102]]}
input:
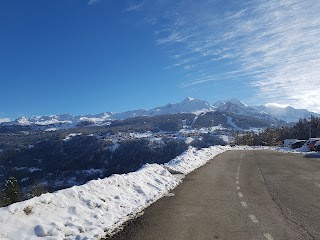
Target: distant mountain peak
{"points": [[188, 105], [189, 99], [193, 100], [286, 113], [236, 102], [218, 104], [231, 101]]}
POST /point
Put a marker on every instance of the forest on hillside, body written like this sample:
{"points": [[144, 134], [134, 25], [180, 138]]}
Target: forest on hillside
{"points": [[303, 129]]}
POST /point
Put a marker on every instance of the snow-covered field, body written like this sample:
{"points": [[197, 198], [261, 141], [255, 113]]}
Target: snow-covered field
{"points": [[99, 206]]}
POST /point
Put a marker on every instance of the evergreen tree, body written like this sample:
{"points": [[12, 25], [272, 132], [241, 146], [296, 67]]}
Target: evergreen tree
{"points": [[11, 192]]}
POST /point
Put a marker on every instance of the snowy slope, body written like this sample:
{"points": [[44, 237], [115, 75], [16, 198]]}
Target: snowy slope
{"points": [[231, 123]]}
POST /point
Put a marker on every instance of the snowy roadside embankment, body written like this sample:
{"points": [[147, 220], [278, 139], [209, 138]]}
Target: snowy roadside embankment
{"points": [[87, 211], [193, 159]]}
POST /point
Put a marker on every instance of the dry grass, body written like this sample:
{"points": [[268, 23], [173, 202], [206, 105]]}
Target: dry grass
{"points": [[27, 210]]}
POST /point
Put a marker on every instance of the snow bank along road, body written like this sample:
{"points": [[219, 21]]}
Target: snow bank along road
{"points": [[92, 210], [238, 195]]}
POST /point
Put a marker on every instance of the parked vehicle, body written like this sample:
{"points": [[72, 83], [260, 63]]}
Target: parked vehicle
{"points": [[311, 143], [317, 146], [293, 143], [298, 144]]}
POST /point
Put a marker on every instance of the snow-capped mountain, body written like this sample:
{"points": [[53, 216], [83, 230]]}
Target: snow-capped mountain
{"points": [[230, 101], [230, 107], [235, 107], [288, 114], [58, 120], [268, 111], [188, 105]]}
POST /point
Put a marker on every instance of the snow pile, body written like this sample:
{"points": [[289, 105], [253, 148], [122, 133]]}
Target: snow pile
{"points": [[71, 135], [193, 159], [88, 211]]}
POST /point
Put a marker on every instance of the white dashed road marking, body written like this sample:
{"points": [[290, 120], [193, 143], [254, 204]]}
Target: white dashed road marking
{"points": [[254, 219], [244, 204], [268, 236]]}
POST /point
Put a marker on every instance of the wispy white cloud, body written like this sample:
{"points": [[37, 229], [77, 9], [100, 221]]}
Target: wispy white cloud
{"points": [[93, 2], [276, 105], [134, 7], [274, 44]]}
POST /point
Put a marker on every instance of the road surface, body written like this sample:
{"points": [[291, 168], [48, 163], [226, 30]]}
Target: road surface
{"points": [[238, 195]]}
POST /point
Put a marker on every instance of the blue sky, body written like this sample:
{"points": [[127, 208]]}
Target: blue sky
{"points": [[91, 56]]}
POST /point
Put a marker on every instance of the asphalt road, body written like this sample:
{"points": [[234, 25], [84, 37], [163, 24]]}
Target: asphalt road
{"points": [[238, 195]]}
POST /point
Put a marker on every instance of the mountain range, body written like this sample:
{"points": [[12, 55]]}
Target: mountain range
{"points": [[231, 107]]}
